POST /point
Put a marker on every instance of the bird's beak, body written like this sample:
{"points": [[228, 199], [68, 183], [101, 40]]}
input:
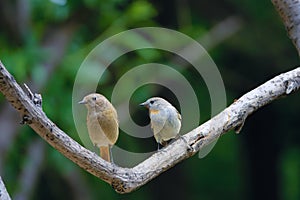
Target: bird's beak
{"points": [[82, 102], [144, 104]]}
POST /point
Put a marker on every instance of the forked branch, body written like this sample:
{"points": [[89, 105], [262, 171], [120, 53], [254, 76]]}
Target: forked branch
{"points": [[125, 180]]}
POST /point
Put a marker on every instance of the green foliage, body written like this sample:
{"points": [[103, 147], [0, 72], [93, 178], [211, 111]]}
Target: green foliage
{"points": [[258, 51], [290, 173], [140, 11]]}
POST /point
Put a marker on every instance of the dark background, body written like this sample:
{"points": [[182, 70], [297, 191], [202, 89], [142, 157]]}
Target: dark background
{"points": [[43, 44]]}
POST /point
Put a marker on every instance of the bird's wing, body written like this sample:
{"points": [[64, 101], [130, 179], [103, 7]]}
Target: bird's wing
{"points": [[178, 115], [109, 125]]}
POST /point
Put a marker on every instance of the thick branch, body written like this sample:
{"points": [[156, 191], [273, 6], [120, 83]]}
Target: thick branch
{"points": [[289, 11], [125, 180], [3, 192]]}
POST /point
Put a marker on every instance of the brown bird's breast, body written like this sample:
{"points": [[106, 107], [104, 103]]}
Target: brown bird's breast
{"points": [[103, 127]]}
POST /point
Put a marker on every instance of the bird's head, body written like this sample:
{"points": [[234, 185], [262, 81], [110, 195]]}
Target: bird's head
{"points": [[155, 103], [93, 100]]}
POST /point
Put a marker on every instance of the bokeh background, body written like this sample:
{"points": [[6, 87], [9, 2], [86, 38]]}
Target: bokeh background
{"points": [[43, 42]]}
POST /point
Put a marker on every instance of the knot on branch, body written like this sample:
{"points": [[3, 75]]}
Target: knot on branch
{"points": [[242, 116], [35, 97], [26, 120], [194, 145], [118, 186], [292, 85]]}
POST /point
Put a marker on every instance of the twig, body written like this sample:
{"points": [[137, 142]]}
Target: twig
{"points": [[125, 180]]}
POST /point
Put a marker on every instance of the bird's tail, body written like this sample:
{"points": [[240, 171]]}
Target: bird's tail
{"points": [[105, 153]]}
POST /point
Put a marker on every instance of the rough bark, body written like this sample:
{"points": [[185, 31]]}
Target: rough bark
{"points": [[3, 192], [289, 11], [125, 180]]}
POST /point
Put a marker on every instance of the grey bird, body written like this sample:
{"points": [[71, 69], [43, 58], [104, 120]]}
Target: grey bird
{"points": [[164, 118]]}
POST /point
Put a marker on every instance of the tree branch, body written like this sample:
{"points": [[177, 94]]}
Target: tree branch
{"points": [[125, 180], [289, 11], [3, 192]]}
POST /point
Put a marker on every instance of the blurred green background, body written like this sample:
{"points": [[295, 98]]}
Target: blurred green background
{"points": [[43, 43]]}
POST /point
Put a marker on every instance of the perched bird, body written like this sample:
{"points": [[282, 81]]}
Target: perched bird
{"points": [[164, 118], [102, 123]]}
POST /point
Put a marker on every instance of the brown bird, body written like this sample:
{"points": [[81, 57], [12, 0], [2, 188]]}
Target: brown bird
{"points": [[102, 123]]}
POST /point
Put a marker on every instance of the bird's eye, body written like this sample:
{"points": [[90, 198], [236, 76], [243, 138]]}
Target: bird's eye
{"points": [[94, 98], [151, 102]]}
